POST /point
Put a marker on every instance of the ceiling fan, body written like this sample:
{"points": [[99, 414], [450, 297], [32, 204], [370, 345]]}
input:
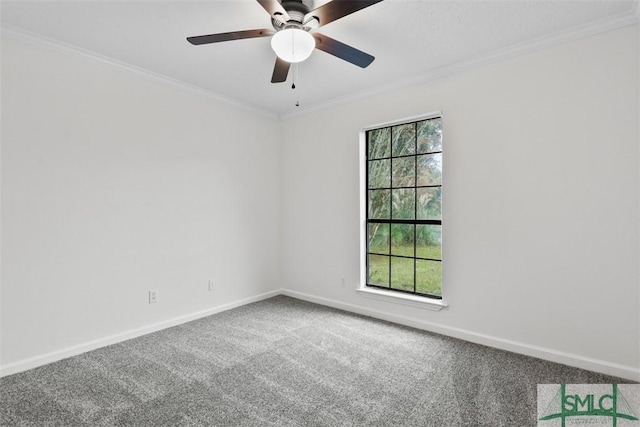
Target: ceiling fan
{"points": [[292, 40]]}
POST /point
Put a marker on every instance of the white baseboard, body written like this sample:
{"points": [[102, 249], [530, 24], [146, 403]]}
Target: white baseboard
{"points": [[34, 362], [595, 365], [608, 368]]}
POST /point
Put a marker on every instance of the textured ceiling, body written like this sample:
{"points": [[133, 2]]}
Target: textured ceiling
{"points": [[409, 38]]}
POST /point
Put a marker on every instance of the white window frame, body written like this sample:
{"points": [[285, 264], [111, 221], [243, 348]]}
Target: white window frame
{"points": [[418, 301]]}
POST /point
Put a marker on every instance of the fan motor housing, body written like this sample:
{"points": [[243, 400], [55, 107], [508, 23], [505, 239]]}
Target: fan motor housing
{"points": [[296, 11], [295, 7]]}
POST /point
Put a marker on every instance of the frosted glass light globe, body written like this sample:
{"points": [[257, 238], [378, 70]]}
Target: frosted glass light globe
{"points": [[293, 44]]}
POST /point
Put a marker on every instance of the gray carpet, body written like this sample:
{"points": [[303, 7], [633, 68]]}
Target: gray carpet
{"points": [[285, 362]]}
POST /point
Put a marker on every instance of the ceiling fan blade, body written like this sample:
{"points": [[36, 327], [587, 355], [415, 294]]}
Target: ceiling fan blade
{"points": [[234, 35], [337, 9], [280, 71], [342, 51], [273, 7]]}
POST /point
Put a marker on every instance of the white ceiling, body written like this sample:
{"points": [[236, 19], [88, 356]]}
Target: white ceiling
{"points": [[411, 39]]}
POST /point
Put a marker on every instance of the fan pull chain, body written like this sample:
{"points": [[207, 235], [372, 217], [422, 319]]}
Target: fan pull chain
{"points": [[295, 77]]}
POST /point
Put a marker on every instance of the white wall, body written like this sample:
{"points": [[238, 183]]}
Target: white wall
{"points": [[637, 11], [113, 184], [638, 127], [540, 203]]}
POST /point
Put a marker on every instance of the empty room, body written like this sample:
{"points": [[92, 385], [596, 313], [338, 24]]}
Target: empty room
{"points": [[320, 213]]}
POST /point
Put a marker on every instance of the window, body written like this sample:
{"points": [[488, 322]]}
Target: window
{"points": [[404, 207]]}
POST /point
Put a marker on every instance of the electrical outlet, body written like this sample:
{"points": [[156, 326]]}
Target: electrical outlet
{"points": [[153, 296], [211, 286]]}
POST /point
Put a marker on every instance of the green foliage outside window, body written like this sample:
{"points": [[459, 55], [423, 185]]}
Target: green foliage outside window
{"points": [[404, 216]]}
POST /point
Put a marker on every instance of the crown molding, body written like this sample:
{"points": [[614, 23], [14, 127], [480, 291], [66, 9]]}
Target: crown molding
{"points": [[61, 47], [613, 23], [632, 17]]}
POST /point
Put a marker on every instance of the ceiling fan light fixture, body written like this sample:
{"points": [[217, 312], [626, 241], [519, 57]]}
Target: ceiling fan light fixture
{"points": [[293, 44]]}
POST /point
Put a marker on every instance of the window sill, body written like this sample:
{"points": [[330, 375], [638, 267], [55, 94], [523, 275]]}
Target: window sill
{"points": [[405, 299]]}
